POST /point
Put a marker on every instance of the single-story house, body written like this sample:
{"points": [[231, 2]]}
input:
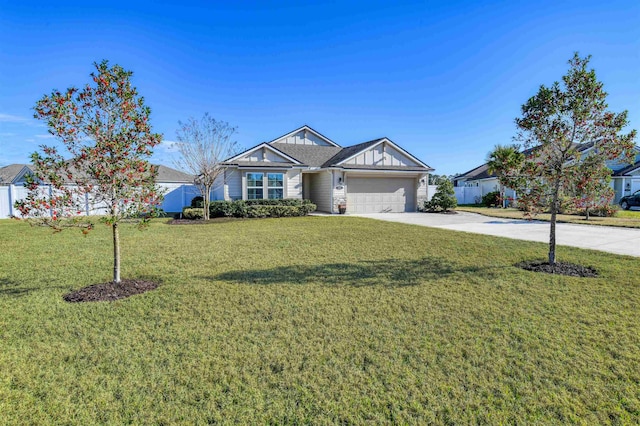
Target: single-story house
{"points": [[373, 176], [177, 187], [625, 179]]}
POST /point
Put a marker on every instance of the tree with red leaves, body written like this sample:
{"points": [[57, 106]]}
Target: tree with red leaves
{"points": [[104, 127], [568, 135]]}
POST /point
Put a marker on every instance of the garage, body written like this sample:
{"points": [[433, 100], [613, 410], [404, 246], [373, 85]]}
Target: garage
{"points": [[380, 195]]}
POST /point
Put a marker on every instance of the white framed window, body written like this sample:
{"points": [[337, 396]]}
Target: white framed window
{"points": [[275, 186], [255, 186]]}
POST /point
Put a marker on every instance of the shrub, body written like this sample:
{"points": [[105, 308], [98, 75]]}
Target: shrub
{"points": [[444, 199], [491, 199], [222, 209], [192, 213], [602, 211], [197, 202], [254, 209]]}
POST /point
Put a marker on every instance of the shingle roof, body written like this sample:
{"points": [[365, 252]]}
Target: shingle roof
{"points": [[320, 156], [167, 174], [482, 171], [627, 169], [311, 155], [10, 172]]}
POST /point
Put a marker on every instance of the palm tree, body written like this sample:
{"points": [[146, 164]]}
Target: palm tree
{"points": [[504, 161]]}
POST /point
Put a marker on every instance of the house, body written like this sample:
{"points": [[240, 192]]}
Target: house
{"points": [[374, 176], [626, 180], [177, 187], [479, 181]]}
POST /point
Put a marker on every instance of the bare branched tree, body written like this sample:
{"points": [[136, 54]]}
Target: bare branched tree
{"points": [[203, 144]]}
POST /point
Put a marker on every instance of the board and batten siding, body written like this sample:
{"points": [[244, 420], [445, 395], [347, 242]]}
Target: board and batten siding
{"points": [[381, 155], [303, 137], [264, 154]]}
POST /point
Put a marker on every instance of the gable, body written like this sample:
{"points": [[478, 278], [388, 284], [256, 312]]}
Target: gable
{"points": [[304, 136], [263, 153], [14, 173], [382, 154]]}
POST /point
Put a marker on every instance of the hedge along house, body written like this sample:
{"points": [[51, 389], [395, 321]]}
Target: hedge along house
{"points": [[374, 176]]}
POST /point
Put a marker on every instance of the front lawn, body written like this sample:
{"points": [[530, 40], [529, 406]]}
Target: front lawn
{"points": [[622, 218], [314, 320]]}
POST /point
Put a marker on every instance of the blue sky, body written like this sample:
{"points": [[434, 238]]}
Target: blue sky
{"points": [[443, 79]]}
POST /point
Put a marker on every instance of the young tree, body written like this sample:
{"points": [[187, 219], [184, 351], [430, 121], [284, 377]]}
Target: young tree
{"points": [[503, 161], [555, 126], [105, 129], [444, 199], [591, 185], [203, 144]]}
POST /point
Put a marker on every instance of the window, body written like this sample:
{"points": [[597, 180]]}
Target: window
{"points": [[275, 185], [254, 186]]}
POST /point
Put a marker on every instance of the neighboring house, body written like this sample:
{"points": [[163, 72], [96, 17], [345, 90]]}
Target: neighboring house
{"points": [[626, 180], [374, 176], [177, 187], [479, 181]]}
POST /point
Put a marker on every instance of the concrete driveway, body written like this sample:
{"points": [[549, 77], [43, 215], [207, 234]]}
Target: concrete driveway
{"points": [[604, 238]]}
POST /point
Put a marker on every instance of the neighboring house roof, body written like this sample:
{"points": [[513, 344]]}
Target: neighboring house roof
{"points": [[482, 171], [631, 168], [167, 174], [10, 173]]}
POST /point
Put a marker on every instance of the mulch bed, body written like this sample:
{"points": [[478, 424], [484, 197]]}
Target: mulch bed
{"points": [[202, 222], [108, 292], [560, 268]]}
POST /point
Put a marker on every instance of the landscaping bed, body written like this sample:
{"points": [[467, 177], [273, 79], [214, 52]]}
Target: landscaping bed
{"points": [[110, 291]]}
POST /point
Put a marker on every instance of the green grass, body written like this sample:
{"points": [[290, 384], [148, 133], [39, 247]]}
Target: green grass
{"points": [[314, 320], [622, 218]]}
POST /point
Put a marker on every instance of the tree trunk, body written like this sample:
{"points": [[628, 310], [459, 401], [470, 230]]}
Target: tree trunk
{"points": [[206, 201], [116, 253], [552, 231], [587, 213]]}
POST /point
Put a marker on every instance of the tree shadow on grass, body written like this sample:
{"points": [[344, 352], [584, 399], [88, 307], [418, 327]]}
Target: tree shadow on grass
{"points": [[388, 272], [9, 287]]}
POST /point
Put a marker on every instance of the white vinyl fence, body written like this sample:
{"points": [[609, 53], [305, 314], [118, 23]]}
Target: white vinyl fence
{"points": [[431, 190], [176, 196], [468, 194]]}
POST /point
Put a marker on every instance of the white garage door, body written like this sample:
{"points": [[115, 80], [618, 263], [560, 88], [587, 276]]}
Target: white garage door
{"points": [[376, 195]]}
